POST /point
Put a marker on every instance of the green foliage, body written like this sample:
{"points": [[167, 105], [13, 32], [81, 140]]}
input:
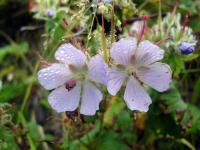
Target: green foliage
{"points": [[173, 100], [14, 49]]}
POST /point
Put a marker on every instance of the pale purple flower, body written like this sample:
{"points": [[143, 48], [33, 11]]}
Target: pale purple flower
{"points": [[136, 64], [73, 80]]}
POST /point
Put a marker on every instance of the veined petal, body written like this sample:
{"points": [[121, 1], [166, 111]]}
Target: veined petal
{"points": [[157, 75], [148, 53], [136, 97], [97, 69], [123, 50], [63, 100], [53, 76], [90, 99], [115, 80], [68, 54]]}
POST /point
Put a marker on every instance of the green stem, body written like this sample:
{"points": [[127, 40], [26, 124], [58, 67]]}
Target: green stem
{"points": [[142, 5], [28, 90], [103, 41], [160, 15], [86, 139], [23, 121], [90, 31], [113, 23]]}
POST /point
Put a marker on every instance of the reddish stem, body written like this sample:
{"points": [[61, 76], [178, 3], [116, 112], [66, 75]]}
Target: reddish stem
{"points": [[185, 22], [141, 34], [66, 24], [162, 41], [42, 60]]}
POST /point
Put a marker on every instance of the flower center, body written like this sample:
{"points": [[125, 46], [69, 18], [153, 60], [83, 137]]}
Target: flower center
{"points": [[79, 73], [130, 70]]}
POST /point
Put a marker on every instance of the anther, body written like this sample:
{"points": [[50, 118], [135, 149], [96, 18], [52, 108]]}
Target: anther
{"points": [[70, 84]]}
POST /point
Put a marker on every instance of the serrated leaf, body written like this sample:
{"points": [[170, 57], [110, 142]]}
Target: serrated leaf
{"points": [[173, 100]]}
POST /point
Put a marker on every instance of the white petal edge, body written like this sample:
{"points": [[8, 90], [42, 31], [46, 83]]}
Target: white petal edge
{"points": [[54, 76], [97, 69], [91, 98], [148, 53], [123, 50], [115, 80], [136, 97], [157, 76], [68, 54], [63, 100]]}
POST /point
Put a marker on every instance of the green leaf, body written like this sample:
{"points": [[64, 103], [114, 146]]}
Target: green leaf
{"points": [[195, 125], [173, 100], [176, 63], [10, 91], [124, 120], [15, 49], [111, 141], [116, 106], [190, 57], [196, 93]]}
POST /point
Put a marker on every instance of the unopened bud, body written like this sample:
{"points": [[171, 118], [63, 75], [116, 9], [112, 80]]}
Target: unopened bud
{"points": [[187, 48]]}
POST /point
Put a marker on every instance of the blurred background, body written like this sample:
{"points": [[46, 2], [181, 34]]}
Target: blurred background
{"points": [[31, 30]]}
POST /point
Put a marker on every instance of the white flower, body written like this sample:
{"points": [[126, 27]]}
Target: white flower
{"points": [[137, 63], [73, 80]]}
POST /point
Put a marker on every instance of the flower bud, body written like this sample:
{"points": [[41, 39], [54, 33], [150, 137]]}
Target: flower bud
{"points": [[136, 28], [187, 48], [104, 1], [50, 13]]}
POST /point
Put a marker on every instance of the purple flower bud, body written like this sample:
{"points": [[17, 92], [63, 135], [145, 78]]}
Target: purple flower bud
{"points": [[187, 48], [50, 13], [104, 1]]}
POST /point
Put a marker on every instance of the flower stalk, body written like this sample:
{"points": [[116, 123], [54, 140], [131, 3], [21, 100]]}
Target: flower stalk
{"points": [[103, 41]]}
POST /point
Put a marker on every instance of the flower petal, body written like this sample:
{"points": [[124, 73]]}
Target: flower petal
{"points": [[148, 53], [136, 97], [97, 69], [115, 80], [123, 50], [53, 76], [63, 100], [69, 54], [90, 99], [157, 75]]}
